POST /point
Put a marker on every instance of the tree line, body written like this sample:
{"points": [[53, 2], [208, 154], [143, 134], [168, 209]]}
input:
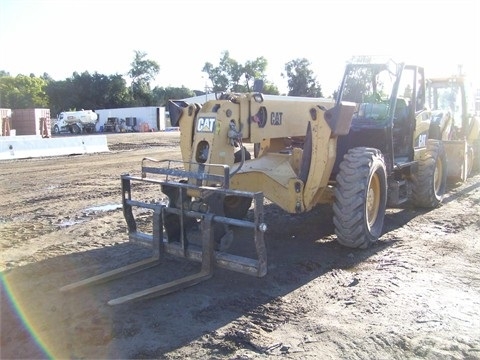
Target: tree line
{"points": [[100, 91]]}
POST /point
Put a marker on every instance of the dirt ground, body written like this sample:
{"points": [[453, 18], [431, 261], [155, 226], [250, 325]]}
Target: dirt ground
{"points": [[414, 295]]}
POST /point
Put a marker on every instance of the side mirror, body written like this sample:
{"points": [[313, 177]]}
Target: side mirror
{"points": [[258, 85]]}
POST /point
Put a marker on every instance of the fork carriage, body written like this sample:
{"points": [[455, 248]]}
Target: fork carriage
{"points": [[200, 213]]}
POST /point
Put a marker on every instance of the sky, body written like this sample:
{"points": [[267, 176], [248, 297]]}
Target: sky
{"points": [[60, 37]]}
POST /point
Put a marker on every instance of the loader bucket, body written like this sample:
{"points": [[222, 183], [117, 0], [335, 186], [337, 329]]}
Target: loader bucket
{"points": [[170, 234], [457, 160]]}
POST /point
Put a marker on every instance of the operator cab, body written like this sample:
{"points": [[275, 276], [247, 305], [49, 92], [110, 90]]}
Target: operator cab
{"points": [[389, 100]]}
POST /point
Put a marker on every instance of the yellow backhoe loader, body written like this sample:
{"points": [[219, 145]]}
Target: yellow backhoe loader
{"points": [[454, 125], [364, 151]]}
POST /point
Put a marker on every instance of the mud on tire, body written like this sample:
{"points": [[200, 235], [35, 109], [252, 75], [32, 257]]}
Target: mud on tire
{"points": [[360, 198], [429, 182]]}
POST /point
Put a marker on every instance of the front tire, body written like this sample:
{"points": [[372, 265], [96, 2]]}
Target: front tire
{"points": [[56, 130], [429, 182], [360, 198]]}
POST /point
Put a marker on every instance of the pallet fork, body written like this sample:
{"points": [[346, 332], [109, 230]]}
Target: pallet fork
{"points": [[160, 245]]}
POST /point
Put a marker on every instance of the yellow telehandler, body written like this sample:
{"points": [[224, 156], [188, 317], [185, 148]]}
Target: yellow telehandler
{"points": [[364, 151]]}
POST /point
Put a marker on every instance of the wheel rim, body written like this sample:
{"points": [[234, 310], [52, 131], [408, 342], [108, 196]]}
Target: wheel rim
{"points": [[373, 200], [437, 176]]}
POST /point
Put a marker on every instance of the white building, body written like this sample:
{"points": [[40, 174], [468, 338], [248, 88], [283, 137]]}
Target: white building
{"points": [[200, 99], [147, 118]]}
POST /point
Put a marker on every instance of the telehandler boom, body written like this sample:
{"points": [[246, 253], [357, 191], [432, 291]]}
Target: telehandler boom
{"points": [[366, 150]]}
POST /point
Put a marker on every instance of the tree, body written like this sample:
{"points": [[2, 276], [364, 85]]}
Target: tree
{"points": [[86, 91], [118, 94], [58, 93], [220, 75], [230, 75], [162, 95], [270, 89], [46, 77], [357, 85], [301, 80], [142, 72], [23, 92]]}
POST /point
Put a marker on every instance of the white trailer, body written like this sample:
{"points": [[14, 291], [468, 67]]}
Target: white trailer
{"points": [[138, 119]]}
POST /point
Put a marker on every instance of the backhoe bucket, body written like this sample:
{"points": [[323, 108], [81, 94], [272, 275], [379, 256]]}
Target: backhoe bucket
{"points": [[457, 160], [173, 226]]}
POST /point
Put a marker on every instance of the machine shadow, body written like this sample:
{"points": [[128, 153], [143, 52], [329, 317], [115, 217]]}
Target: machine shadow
{"points": [[300, 248]]}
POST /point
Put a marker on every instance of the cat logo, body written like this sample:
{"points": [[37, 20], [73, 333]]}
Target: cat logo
{"points": [[206, 124], [276, 118], [422, 140]]}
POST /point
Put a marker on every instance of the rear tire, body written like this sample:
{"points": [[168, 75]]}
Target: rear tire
{"points": [[76, 129], [360, 198], [429, 183]]}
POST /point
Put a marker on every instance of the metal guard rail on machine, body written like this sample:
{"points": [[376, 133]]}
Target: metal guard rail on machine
{"points": [[206, 253]]}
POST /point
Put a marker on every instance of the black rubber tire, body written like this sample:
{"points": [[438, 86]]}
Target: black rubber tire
{"points": [[430, 180], [236, 207], [76, 129], [172, 222], [360, 198], [56, 130]]}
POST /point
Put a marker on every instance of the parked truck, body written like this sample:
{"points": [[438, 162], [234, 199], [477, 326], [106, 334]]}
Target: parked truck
{"points": [[76, 122]]}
